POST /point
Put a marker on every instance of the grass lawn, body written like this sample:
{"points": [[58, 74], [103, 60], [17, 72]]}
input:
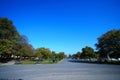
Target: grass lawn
{"points": [[50, 62], [28, 62], [38, 62], [46, 62]]}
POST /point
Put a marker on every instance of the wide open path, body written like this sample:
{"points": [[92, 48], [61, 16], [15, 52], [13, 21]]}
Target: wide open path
{"points": [[63, 71]]}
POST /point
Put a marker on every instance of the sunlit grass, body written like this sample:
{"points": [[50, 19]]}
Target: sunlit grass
{"points": [[28, 62], [48, 62], [40, 62]]}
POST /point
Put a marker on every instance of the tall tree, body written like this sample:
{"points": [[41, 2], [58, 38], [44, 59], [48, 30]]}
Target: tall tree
{"points": [[7, 48], [77, 55], [109, 44], [43, 53], [87, 52], [25, 49], [54, 55], [61, 55], [8, 30], [9, 37]]}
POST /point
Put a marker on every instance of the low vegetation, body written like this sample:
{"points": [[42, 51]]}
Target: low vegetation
{"points": [[28, 62], [48, 61]]}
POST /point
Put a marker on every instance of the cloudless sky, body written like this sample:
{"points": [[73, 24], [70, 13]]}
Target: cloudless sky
{"points": [[62, 25]]}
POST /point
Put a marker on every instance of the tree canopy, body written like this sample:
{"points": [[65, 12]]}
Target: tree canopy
{"points": [[87, 52], [11, 42], [8, 30], [43, 53], [9, 37], [109, 44]]}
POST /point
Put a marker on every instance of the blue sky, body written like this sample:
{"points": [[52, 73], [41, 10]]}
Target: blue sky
{"points": [[62, 25]]}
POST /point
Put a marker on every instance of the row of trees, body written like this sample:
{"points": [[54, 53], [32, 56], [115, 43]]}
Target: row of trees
{"points": [[14, 45], [87, 53], [45, 53], [108, 46]]}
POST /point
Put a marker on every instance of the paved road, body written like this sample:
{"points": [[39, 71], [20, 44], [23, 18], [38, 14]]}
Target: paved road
{"points": [[63, 71]]}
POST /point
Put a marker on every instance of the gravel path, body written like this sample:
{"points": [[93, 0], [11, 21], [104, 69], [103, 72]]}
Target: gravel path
{"points": [[63, 71]]}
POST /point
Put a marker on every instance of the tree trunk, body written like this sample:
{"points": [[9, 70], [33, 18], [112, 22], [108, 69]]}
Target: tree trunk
{"points": [[108, 57]]}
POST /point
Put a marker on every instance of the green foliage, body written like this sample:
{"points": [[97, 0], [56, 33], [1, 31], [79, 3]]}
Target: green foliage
{"points": [[87, 52], [26, 50], [8, 30], [109, 44], [8, 38], [77, 55], [61, 55], [7, 47], [11, 42], [43, 53], [54, 55], [28, 62]]}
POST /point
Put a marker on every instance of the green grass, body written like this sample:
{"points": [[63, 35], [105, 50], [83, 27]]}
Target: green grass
{"points": [[60, 61], [50, 62], [47, 62], [38, 62], [28, 62]]}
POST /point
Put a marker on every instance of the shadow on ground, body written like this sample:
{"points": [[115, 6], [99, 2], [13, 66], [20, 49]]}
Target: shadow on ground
{"points": [[95, 62], [11, 79], [74, 61]]}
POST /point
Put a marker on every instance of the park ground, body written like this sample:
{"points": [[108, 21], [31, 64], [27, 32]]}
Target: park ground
{"points": [[65, 70]]}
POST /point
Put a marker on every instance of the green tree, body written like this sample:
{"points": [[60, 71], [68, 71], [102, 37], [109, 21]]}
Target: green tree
{"points": [[77, 55], [9, 37], [54, 55], [39, 54], [87, 52], [25, 49], [43, 53], [61, 55], [7, 48], [109, 44], [8, 30]]}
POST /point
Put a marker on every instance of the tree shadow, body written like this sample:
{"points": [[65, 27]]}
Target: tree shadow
{"points": [[95, 62], [74, 61], [10, 79]]}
